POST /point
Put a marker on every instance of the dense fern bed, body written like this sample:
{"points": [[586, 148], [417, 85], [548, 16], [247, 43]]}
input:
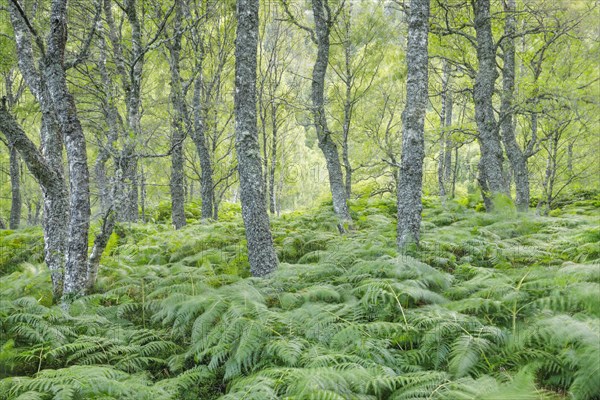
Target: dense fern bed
{"points": [[491, 307]]}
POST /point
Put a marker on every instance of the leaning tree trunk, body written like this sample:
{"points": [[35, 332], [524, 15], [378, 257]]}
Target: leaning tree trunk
{"points": [[56, 200], [15, 187], [46, 167], [326, 143], [489, 140], [100, 242], [261, 253], [178, 120], [515, 155], [409, 188]]}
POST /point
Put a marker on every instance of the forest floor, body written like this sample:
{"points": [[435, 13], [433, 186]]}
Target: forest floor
{"points": [[492, 306]]}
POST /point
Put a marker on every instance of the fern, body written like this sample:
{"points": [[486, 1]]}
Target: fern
{"points": [[508, 308]]}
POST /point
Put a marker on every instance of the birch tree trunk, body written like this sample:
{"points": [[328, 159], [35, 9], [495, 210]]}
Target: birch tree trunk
{"points": [[448, 146], [326, 143], [130, 72], [261, 253], [207, 192], [514, 153], [15, 188], [75, 144], [346, 133], [111, 115], [48, 163], [274, 139], [178, 120], [14, 160], [489, 139], [410, 183], [199, 115], [443, 134], [53, 186]]}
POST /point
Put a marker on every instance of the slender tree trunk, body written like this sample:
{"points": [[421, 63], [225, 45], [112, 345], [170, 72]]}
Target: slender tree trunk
{"points": [[281, 177], [111, 115], [326, 143], [346, 135], [207, 192], [100, 242], [15, 187], [413, 143], [261, 253], [515, 155], [485, 189], [273, 189], [489, 140], [130, 72], [216, 202], [449, 142], [143, 193], [263, 112], [348, 108], [443, 134], [36, 216], [178, 120], [446, 143], [455, 172]]}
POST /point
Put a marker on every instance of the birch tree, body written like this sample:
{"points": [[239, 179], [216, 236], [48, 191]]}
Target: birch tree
{"points": [[409, 190], [324, 19], [492, 177], [261, 252]]}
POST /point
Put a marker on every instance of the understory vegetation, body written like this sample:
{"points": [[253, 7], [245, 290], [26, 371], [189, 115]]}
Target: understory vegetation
{"points": [[492, 306]]}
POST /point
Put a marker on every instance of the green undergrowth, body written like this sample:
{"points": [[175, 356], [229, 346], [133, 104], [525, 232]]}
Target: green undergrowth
{"points": [[492, 306]]}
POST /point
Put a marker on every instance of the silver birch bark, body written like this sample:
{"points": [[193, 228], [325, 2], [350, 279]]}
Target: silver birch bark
{"points": [[323, 21], [514, 153], [177, 123], [54, 192], [15, 188], [409, 188], [488, 136], [261, 253], [75, 144], [130, 72], [443, 133], [55, 195]]}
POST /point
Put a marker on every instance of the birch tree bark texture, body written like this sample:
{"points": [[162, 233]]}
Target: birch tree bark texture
{"points": [[261, 253], [323, 21], [410, 183], [490, 164]]}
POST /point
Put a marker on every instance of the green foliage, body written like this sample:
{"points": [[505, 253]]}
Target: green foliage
{"points": [[19, 246], [490, 307]]}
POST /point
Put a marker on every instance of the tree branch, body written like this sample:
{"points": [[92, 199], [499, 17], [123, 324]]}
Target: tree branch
{"points": [[38, 39]]}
